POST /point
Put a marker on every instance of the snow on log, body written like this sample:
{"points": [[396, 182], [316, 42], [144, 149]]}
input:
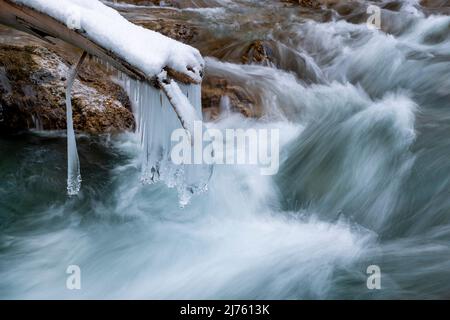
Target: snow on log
{"points": [[181, 104], [101, 31]]}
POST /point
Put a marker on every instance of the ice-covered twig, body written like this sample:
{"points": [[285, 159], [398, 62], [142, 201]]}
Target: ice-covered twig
{"points": [[73, 162]]}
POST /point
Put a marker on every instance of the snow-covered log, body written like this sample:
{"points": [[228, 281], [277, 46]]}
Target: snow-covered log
{"points": [[101, 31], [73, 162]]}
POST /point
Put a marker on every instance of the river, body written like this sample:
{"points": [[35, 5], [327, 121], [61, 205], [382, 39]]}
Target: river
{"points": [[364, 179]]}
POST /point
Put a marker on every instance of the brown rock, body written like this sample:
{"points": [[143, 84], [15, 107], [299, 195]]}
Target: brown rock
{"points": [[436, 6], [306, 3], [215, 89], [32, 93], [258, 52], [315, 4], [149, 2], [178, 31]]}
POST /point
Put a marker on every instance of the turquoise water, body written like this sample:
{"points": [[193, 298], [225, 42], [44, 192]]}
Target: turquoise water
{"points": [[364, 180]]}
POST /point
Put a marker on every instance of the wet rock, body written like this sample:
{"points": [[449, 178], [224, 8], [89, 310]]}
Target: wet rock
{"points": [[259, 52], [435, 6], [172, 29], [305, 3], [32, 93], [393, 5], [343, 7], [353, 11], [219, 93], [163, 3]]}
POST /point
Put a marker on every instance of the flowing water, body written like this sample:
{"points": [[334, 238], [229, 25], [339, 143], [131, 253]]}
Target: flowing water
{"points": [[364, 120]]}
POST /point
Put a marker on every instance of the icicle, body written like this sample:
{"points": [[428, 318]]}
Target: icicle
{"points": [[156, 119], [186, 113], [73, 163]]}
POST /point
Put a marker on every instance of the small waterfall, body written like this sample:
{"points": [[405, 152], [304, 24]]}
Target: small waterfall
{"points": [[37, 122], [225, 105], [155, 122]]}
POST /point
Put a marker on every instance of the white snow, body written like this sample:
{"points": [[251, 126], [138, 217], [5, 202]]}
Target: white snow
{"points": [[147, 50]]}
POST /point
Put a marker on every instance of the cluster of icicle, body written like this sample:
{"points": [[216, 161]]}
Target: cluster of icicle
{"points": [[155, 121]]}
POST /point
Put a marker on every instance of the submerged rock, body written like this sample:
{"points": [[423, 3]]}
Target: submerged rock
{"points": [[258, 52], [172, 29], [219, 95], [306, 3], [162, 3], [32, 84], [436, 6]]}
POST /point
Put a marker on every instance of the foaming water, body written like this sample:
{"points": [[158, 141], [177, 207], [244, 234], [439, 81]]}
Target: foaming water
{"points": [[364, 180], [140, 244]]}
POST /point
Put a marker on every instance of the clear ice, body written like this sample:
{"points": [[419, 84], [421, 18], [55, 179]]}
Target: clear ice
{"points": [[155, 121], [73, 162]]}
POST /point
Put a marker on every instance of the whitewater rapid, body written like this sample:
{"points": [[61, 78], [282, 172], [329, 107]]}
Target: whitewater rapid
{"points": [[364, 180]]}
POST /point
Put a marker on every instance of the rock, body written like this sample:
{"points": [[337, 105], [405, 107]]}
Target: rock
{"points": [[163, 3], [178, 31], [258, 52], [306, 3], [32, 93], [315, 4], [216, 89], [436, 7]]}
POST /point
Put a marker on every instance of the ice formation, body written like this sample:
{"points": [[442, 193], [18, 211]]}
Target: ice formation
{"points": [[155, 122], [73, 162]]}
